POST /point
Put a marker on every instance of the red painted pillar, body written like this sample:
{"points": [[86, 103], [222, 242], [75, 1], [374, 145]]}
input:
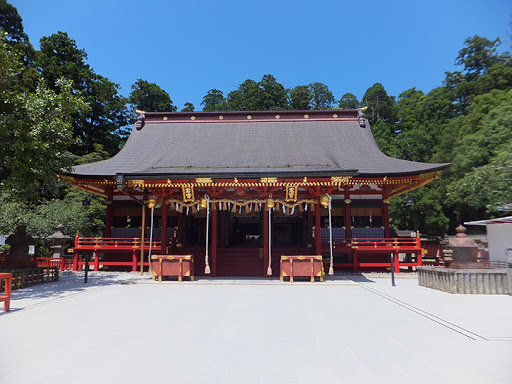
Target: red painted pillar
{"points": [[385, 212], [222, 233], [310, 226], [180, 228], [265, 241], [163, 235], [96, 261], [75, 261], [348, 220], [214, 243], [109, 222], [134, 261], [397, 262], [318, 242], [355, 260]]}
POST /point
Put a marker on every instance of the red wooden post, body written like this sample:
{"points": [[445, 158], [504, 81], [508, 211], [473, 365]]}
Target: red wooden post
{"points": [[96, 260], [385, 212], [265, 241], [109, 222], [397, 262], [75, 254], [222, 229], [134, 261], [180, 228], [6, 297], [355, 261], [318, 236], [310, 227], [163, 235], [348, 219], [214, 243]]}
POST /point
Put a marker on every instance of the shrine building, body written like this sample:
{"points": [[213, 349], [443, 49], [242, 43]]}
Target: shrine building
{"points": [[237, 190]]}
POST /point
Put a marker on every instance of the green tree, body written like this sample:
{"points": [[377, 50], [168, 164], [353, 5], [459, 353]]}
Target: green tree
{"points": [[274, 95], [380, 105], [348, 101], [35, 129], [248, 97], [214, 101], [189, 107], [102, 123], [322, 97], [300, 98], [149, 97]]}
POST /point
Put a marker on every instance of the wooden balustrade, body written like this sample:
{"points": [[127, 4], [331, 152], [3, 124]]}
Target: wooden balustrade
{"points": [[6, 280]]}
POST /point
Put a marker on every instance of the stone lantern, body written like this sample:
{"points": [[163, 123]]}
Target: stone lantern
{"points": [[19, 256], [60, 242], [463, 251]]}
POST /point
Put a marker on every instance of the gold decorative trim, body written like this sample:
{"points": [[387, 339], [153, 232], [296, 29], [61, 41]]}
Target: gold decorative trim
{"points": [[249, 117], [348, 201], [165, 118], [306, 116], [278, 117], [335, 115], [192, 117], [221, 117], [385, 201], [204, 180]]}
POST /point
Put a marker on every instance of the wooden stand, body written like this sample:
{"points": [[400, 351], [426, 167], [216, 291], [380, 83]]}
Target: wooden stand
{"points": [[302, 266], [172, 265]]}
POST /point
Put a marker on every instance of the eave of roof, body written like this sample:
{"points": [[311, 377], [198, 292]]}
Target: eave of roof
{"points": [[252, 144]]}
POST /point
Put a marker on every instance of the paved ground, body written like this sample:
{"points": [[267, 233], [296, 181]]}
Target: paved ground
{"points": [[348, 330]]}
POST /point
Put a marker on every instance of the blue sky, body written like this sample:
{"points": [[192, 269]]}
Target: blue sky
{"points": [[190, 47]]}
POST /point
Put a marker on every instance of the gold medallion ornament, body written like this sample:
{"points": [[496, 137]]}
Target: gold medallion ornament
{"points": [[165, 117], [221, 117], [249, 117], [291, 193], [306, 116], [335, 116], [188, 194], [192, 117], [278, 117]]}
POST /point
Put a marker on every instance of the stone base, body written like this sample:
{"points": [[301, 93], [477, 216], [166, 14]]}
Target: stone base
{"points": [[479, 281]]}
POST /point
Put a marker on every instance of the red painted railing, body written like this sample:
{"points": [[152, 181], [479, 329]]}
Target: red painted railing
{"points": [[64, 264], [360, 249], [6, 296], [112, 243]]}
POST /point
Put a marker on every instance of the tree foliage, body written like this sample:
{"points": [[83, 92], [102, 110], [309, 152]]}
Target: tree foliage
{"points": [[149, 97], [35, 129], [107, 115]]}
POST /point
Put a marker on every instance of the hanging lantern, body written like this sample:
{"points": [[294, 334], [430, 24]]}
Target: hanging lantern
{"points": [[270, 203], [152, 202], [203, 203], [324, 201]]}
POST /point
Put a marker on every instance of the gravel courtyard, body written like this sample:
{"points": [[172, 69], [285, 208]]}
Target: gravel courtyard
{"points": [[121, 328]]}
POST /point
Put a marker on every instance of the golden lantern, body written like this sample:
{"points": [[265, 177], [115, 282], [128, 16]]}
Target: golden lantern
{"points": [[203, 203], [270, 203], [324, 201], [152, 202]]}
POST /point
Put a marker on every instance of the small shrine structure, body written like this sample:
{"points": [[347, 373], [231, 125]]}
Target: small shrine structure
{"points": [[237, 190]]}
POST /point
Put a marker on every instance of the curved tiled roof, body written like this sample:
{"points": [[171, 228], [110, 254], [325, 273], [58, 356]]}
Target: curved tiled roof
{"points": [[223, 144]]}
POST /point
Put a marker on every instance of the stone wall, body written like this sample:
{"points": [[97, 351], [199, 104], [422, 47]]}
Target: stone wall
{"points": [[480, 281]]}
